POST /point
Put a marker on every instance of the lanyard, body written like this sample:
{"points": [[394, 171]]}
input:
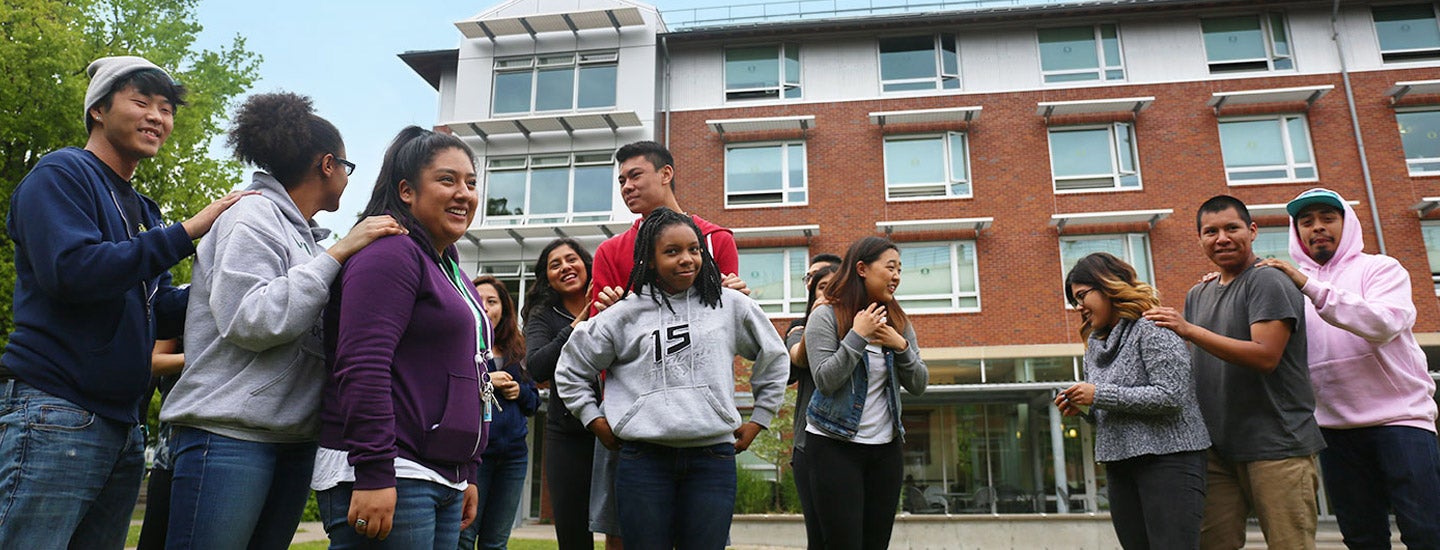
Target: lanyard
{"points": [[482, 324]]}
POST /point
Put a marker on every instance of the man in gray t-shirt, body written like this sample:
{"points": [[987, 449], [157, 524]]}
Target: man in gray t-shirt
{"points": [[1247, 328]]}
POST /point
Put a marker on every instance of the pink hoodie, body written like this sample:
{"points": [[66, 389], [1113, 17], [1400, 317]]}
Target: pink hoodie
{"points": [[1365, 365]]}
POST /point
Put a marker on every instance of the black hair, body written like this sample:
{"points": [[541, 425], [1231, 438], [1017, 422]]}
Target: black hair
{"points": [[1221, 203], [825, 257], [541, 295], [657, 154], [708, 280], [281, 134], [413, 149], [145, 81], [509, 341], [812, 289]]}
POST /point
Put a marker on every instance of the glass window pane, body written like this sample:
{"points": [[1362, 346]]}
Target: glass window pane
{"points": [[753, 169], [597, 86], [907, 86], [907, 57], [1000, 370], [1299, 139], [554, 89], [1278, 36], [505, 194], [1110, 42], [1139, 257], [512, 92], [1272, 242], [958, 171], [593, 188], [1051, 369], [1081, 152], [927, 270], [549, 190], [1420, 134], [965, 252], [1245, 143], [914, 161], [1431, 233], [1071, 250], [1233, 38], [798, 259], [949, 61], [1406, 27], [1067, 48], [1125, 146], [753, 67], [796, 165], [792, 64], [764, 272]]}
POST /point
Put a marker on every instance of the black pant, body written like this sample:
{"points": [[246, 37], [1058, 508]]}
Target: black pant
{"points": [[567, 474], [856, 488], [157, 511], [800, 468], [1157, 501]]}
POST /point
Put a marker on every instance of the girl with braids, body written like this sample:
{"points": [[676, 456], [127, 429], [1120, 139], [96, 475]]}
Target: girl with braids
{"points": [[1148, 427], [667, 349], [244, 410], [401, 429], [862, 350], [503, 466]]}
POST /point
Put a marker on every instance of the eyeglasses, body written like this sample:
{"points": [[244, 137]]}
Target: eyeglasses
{"points": [[1080, 296], [349, 166]]}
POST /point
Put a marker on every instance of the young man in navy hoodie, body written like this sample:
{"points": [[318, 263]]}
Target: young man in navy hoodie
{"points": [[92, 291]]}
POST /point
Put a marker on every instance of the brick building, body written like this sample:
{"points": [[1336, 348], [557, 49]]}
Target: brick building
{"points": [[996, 144]]}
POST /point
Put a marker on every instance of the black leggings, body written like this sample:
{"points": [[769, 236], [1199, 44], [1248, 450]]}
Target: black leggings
{"points": [[800, 464], [856, 488], [567, 474], [1156, 501], [157, 511]]}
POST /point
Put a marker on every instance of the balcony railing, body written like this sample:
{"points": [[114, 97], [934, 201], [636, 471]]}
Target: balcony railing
{"points": [[799, 10]]}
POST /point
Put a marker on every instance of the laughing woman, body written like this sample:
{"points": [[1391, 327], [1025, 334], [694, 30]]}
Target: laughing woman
{"points": [[401, 428]]}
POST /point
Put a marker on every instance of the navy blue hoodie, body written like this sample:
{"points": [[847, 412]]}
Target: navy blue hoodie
{"points": [[508, 426]]}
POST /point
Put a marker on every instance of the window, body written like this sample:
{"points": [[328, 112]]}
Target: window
{"points": [[933, 166], [1247, 43], [516, 277], [1072, 54], [762, 72], [1266, 149], [555, 82], [1094, 157], [765, 174], [776, 278], [1407, 32], [939, 277], [919, 63], [549, 188], [1430, 231], [1420, 136], [1272, 242], [1134, 248]]}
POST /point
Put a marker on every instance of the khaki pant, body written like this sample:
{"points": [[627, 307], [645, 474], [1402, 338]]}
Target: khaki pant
{"points": [[1281, 493]]}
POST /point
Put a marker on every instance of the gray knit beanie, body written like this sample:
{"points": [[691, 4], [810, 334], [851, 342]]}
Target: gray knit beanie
{"points": [[106, 70]]}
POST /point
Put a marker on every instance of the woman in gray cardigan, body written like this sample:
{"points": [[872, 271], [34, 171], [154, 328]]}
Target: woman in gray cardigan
{"points": [[1149, 432]]}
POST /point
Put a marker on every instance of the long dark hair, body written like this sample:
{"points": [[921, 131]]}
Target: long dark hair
{"points": [[281, 134], [509, 341], [812, 289], [541, 295], [1101, 271], [413, 149], [708, 281], [848, 295]]}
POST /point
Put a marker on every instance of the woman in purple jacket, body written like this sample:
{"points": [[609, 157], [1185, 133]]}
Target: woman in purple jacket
{"points": [[401, 430]]}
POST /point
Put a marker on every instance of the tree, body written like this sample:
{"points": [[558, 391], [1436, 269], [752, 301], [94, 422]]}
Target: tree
{"points": [[45, 46]]}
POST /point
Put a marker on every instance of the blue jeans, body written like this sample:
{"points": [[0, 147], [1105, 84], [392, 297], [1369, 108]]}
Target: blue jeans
{"points": [[68, 477], [1369, 471], [675, 497], [229, 493], [427, 515], [501, 483]]}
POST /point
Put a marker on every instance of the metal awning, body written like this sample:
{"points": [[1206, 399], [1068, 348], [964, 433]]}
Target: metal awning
{"points": [[763, 124], [1307, 94], [911, 226], [1061, 221], [776, 231], [1277, 209], [547, 231], [568, 123], [1422, 87], [1134, 105], [951, 114], [1426, 206], [532, 25]]}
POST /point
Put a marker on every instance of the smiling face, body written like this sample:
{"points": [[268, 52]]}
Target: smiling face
{"points": [[566, 271], [134, 125], [677, 258], [1226, 239], [490, 300], [1094, 306], [444, 202], [644, 187], [881, 276], [1320, 228]]}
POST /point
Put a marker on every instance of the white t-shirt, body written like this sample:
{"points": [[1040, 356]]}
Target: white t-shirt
{"points": [[332, 467], [876, 423]]}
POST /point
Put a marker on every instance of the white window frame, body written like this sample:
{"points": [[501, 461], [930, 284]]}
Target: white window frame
{"points": [[790, 306], [955, 295], [942, 75], [535, 63], [1099, 70], [512, 271], [1267, 31], [779, 90], [786, 186], [1128, 239], [951, 178], [1406, 56], [530, 163], [1412, 164], [1282, 231], [1290, 166], [1116, 172], [1434, 275]]}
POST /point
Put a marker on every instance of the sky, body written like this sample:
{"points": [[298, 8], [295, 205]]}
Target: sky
{"points": [[343, 55]]}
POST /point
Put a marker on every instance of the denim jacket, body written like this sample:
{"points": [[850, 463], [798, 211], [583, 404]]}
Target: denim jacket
{"points": [[842, 377]]}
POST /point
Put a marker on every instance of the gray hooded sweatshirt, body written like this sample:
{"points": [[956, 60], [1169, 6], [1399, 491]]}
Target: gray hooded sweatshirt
{"points": [[254, 363], [670, 376]]}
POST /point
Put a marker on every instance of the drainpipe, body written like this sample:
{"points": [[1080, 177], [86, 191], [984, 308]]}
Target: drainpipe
{"points": [[1355, 124], [665, 86]]}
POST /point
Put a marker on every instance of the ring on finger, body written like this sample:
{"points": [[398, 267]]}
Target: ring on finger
{"points": [[361, 523]]}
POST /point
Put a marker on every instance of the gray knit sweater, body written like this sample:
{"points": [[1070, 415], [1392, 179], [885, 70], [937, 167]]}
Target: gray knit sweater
{"points": [[1144, 393]]}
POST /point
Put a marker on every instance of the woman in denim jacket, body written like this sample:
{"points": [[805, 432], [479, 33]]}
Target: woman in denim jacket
{"points": [[861, 349]]}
